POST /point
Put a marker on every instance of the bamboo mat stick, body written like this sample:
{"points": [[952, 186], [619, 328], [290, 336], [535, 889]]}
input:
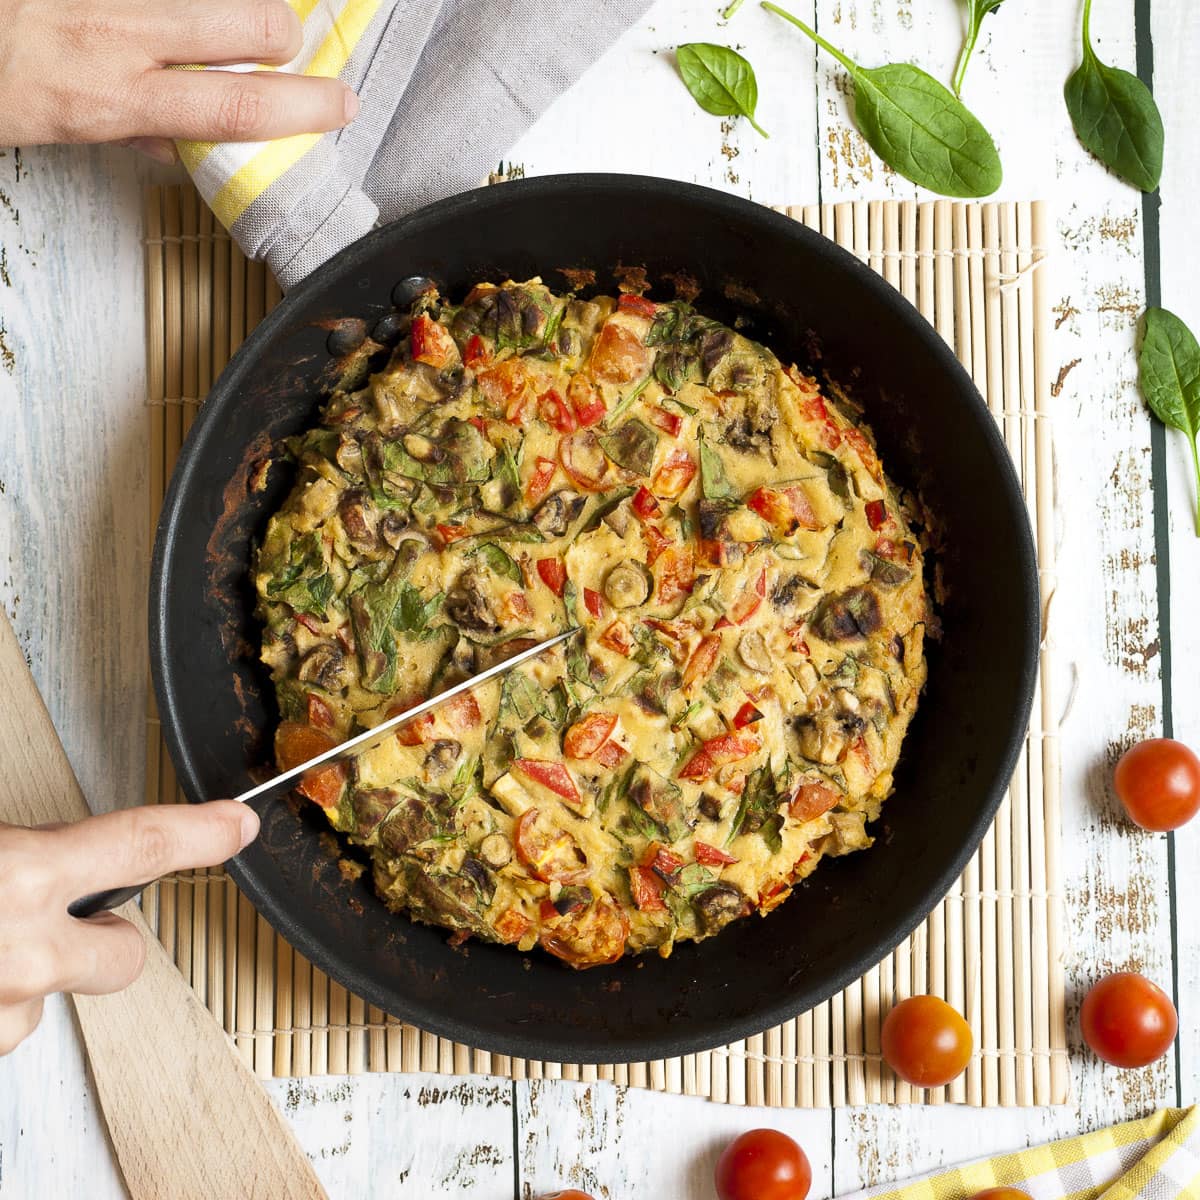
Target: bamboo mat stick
{"points": [[155, 392], [972, 350], [1017, 230], [173, 424], [1060, 1077]]}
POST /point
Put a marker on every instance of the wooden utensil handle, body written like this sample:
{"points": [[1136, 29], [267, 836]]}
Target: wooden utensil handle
{"points": [[186, 1117]]}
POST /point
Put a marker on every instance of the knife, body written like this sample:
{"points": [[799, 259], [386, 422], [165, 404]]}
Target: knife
{"points": [[280, 785]]}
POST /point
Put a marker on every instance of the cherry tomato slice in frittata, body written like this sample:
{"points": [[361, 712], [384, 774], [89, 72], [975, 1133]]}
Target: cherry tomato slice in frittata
{"points": [[588, 938], [586, 736], [550, 853]]}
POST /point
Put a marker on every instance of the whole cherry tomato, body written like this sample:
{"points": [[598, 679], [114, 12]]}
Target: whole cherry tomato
{"points": [[1002, 1193], [1158, 781], [569, 1194], [926, 1042], [1127, 1020], [763, 1164]]}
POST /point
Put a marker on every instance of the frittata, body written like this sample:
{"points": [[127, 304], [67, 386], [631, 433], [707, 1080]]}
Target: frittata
{"points": [[746, 581]]}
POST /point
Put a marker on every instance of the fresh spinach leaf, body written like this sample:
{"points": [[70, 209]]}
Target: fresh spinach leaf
{"points": [[714, 483], [976, 11], [498, 561], [1169, 371], [632, 446], [917, 125], [721, 81], [1115, 116]]}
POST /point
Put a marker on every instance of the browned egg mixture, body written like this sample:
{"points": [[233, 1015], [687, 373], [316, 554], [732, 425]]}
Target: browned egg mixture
{"points": [[748, 589]]}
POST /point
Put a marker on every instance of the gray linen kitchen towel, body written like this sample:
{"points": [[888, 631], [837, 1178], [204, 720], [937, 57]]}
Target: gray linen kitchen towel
{"points": [[447, 87]]}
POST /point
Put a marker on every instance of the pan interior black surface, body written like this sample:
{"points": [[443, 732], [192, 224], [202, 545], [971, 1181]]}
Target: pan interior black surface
{"points": [[811, 302]]}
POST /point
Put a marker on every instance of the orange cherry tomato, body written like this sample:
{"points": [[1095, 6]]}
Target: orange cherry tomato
{"points": [[1127, 1020], [926, 1042], [587, 735], [1002, 1193], [813, 800], [550, 853], [1158, 781], [763, 1164], [588, 938], [296, 743], [618, 356]]}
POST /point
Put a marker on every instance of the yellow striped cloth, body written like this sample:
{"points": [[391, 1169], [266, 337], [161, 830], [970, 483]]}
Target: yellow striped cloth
{"points": [[1156, 1158], [446, 88]]}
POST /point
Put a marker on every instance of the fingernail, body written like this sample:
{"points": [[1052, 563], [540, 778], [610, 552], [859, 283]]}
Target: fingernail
{"points": [[351, 106], [160, 149], [249, 827]]}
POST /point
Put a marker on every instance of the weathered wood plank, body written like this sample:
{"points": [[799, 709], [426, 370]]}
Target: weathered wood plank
{"points": [[616, 1142], [1176, 63]]}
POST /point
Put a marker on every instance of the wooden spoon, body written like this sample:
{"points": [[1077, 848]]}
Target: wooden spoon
{"points": [[185, 1115]]}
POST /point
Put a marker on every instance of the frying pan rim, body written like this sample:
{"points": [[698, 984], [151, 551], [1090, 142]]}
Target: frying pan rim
{"points": [[547, 1044]]}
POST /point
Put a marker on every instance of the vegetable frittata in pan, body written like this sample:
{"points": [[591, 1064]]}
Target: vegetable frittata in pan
{"points": [[748, 589]]}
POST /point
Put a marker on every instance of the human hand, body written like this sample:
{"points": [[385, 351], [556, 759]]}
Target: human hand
{"points": [[42, 948], [93, 71]]}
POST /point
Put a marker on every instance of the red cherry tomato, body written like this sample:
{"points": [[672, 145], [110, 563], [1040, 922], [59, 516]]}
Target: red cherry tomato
{"points": [[926, 1042], [763, 1164], [1002, 1193], [1158, 781], [1127, 1020], [569, 1194]]}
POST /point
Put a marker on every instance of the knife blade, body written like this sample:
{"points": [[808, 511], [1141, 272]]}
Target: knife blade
{"points": [[377, 734], [87, 906]]}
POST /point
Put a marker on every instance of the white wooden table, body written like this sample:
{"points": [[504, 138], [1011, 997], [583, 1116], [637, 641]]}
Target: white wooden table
{"points": [[73, 572]]}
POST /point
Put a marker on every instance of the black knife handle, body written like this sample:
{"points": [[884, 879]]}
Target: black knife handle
{"points": [[90, 905]]}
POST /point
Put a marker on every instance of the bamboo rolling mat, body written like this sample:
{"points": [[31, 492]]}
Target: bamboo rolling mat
{"points": [[991, 948]]}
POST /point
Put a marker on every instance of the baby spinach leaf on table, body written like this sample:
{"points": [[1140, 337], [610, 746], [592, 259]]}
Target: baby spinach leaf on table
{"points": [[1115, 116], [917, 125], [1169, 372], [976, 11], [721, 81]]}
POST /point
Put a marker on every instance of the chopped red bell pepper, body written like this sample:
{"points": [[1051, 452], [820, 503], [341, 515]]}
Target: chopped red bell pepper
{"points": [[431, 342], [677, 471], [719, 751], [746, 715], [813, 800], [645, 505], [452, 533], [703, 659], [675, 573], [320, 715], [877, 514], [586, 401], [476, 353], [656, 541], [784, 509], [553, 409], [669, 422], [539, 481], [593, 602], [616, 637], [647, 889], [639, 305], [662, 860], [552, 775], [553, 574], [710, 856]]}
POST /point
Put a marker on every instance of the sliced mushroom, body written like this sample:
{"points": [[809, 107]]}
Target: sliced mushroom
{"points": [[325, 665], [442, 755], [719, 905], [822, 738], [468, 606], [556, 512], [626, 586], [422, 449], [359, 519], [752, 650], [618, 518], [496, 850]]}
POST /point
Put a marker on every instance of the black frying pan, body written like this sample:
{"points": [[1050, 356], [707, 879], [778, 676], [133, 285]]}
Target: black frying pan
{"points": [[808, 300]]}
